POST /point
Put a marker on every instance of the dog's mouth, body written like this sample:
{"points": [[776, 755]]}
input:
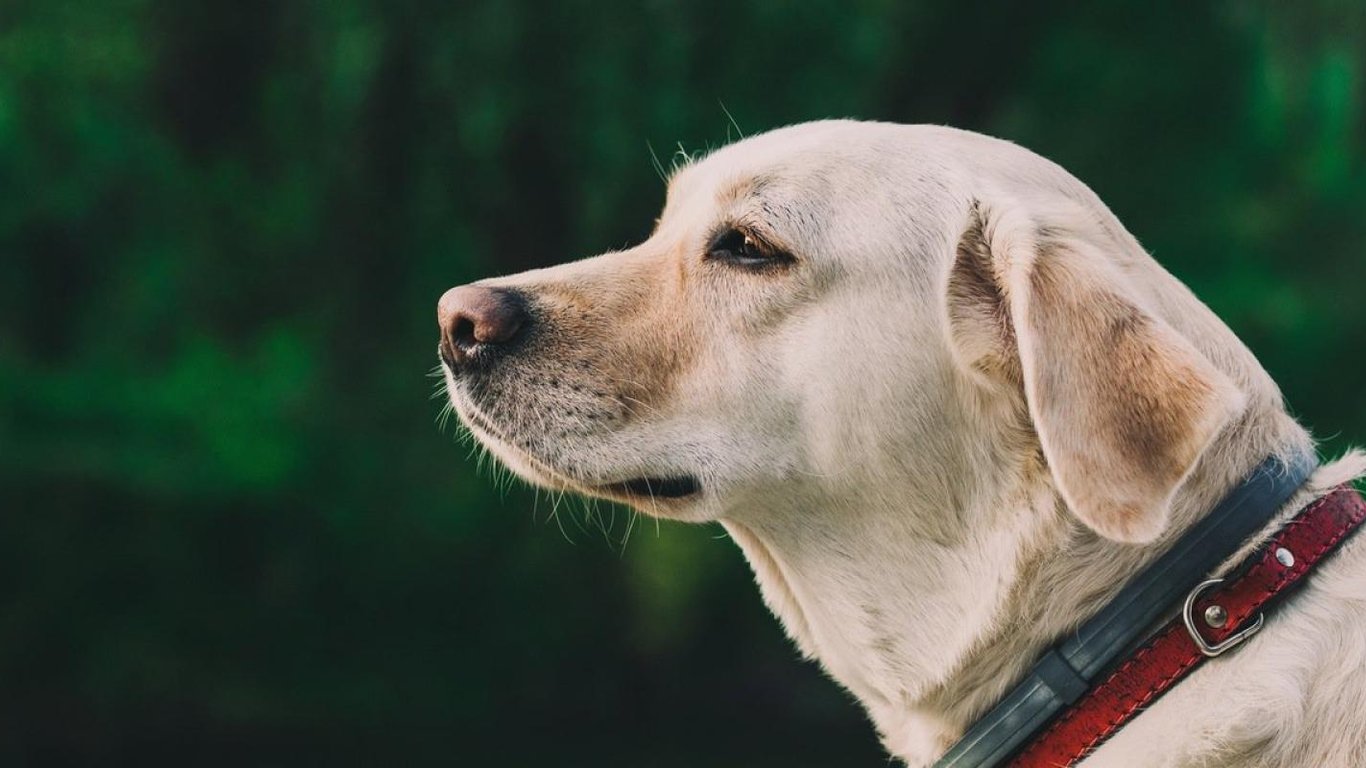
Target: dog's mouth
{"points": [[645, 488], [679, 487]]}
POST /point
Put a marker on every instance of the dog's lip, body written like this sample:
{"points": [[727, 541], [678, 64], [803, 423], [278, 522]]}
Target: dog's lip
{"points": [[655, 487]]}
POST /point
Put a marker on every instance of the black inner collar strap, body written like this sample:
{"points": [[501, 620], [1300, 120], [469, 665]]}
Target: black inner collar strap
{"points": [[1067, 670]]}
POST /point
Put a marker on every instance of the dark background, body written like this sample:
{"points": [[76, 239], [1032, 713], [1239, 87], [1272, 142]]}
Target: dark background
{"points": [[231, 532]]}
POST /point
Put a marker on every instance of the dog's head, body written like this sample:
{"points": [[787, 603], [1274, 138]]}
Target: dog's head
{"points": [[827, 306]]}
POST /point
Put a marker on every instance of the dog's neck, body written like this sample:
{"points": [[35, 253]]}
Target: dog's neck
{"points": [[929, 625]]}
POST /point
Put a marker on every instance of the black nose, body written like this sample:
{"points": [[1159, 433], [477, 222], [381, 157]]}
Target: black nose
{"points": [[474, 318]]}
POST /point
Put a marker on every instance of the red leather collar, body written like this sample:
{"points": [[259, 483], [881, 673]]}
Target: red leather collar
{"points": [[1173, 652]]}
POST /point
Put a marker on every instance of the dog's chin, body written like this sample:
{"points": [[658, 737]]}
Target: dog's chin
{"points": [[662, 494]]}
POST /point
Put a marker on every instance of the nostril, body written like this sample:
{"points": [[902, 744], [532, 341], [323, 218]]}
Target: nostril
{"points": [[463, 333]]}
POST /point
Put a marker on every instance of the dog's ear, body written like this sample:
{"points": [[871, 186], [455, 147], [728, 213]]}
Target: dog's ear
{"points": [[1122, 404]]}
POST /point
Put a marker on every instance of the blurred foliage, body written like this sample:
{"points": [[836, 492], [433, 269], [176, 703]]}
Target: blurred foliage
{"points": [[232, 533]]}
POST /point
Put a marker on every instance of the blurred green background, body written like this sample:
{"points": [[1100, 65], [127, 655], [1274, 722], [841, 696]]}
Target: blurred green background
{"points": [[230, 531]]}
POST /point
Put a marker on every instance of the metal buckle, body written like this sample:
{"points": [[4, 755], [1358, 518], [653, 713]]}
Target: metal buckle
{"points": [[1218, 648]]}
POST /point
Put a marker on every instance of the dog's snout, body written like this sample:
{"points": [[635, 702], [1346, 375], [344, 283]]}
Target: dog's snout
{"points": [[475, 317]]}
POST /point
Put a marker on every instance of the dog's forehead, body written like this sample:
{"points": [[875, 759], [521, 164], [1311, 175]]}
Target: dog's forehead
{"points": [[867, 189], [785, 155]]}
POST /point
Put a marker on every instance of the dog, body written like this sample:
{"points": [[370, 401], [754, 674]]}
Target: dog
{"points": [[945, 404]]}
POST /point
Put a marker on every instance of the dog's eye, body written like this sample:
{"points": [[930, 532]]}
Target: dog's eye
{"points": [[741, 249]]}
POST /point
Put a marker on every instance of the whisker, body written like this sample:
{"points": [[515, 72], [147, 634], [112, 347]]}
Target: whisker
{"points": [[659, 167], [731, 118]]}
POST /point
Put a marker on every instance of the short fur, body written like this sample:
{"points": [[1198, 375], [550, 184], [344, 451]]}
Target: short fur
{"points": [[958, 421]]}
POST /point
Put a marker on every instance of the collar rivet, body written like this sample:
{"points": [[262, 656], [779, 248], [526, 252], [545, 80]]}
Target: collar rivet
{"points": [[1285, 557], [1216, 616]]}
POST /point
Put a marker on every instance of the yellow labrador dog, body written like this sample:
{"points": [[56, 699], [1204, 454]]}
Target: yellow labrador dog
{"points": [[945, 404]]}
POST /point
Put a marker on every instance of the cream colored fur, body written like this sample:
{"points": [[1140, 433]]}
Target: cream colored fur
{"points": [[953, 427]]}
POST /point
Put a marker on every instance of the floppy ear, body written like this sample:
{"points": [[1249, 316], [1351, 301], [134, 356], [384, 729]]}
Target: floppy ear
{"points": [[1122, 404]]}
